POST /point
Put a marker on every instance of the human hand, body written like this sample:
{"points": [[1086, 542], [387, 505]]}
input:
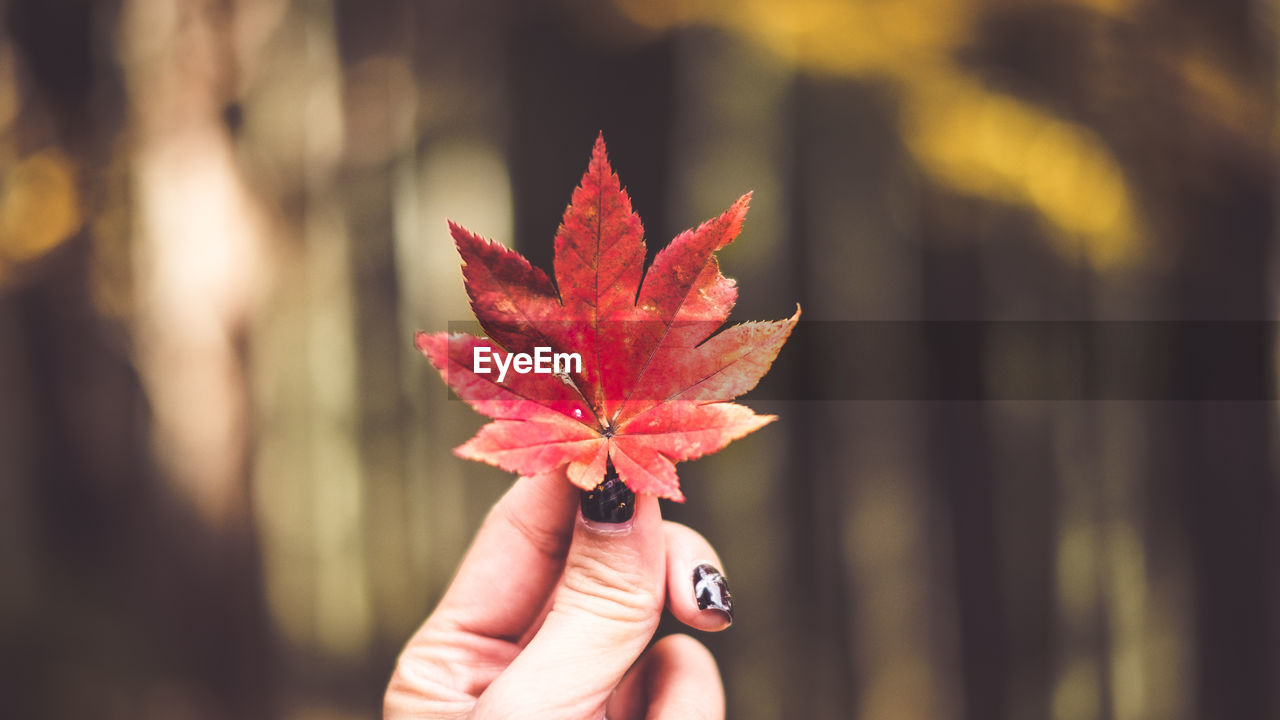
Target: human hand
{"points": [[549, 614]]}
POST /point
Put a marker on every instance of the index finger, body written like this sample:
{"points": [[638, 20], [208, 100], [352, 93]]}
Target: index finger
{"points": [[515, 561]]}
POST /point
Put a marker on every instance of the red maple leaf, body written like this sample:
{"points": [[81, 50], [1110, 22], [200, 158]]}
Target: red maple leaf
{"points": [[653, 384]]}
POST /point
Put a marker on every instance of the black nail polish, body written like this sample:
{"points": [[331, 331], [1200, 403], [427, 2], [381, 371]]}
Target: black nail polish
{"points": [[711, 590], [611, 501]]}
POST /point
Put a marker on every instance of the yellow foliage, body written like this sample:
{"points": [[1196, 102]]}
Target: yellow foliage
{"points": [[991, 145], [964, 135], [39, 206], [1231, 105], [829, 35]]}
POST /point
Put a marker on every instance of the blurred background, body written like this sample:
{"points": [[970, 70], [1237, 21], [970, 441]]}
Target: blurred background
{"points": [[226, 487]]}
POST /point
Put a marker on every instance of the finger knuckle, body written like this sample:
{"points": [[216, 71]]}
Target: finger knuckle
{"points": [[424, 686], [609, 589], [553, 545]]}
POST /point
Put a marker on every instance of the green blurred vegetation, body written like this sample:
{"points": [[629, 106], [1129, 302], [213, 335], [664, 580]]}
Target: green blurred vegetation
{"points": [[226, 474]]}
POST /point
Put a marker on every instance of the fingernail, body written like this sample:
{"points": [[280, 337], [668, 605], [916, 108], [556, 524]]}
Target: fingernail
{"points": [[711, 590], [610, 502]]}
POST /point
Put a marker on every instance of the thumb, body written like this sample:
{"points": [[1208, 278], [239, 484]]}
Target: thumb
{"points": [[604, 611]]}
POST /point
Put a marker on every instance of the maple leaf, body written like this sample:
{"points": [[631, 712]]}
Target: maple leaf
{"points": [[653, 385]]}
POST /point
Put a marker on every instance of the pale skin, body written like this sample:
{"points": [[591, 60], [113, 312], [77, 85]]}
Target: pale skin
{"points": [[549, 617]]}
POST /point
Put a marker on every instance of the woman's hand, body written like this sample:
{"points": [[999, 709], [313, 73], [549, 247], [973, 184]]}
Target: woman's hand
{"points": [[552, 608]]}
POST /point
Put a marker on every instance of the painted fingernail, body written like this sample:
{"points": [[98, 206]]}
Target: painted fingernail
{"points": [[711, 590], [610, 502]]}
